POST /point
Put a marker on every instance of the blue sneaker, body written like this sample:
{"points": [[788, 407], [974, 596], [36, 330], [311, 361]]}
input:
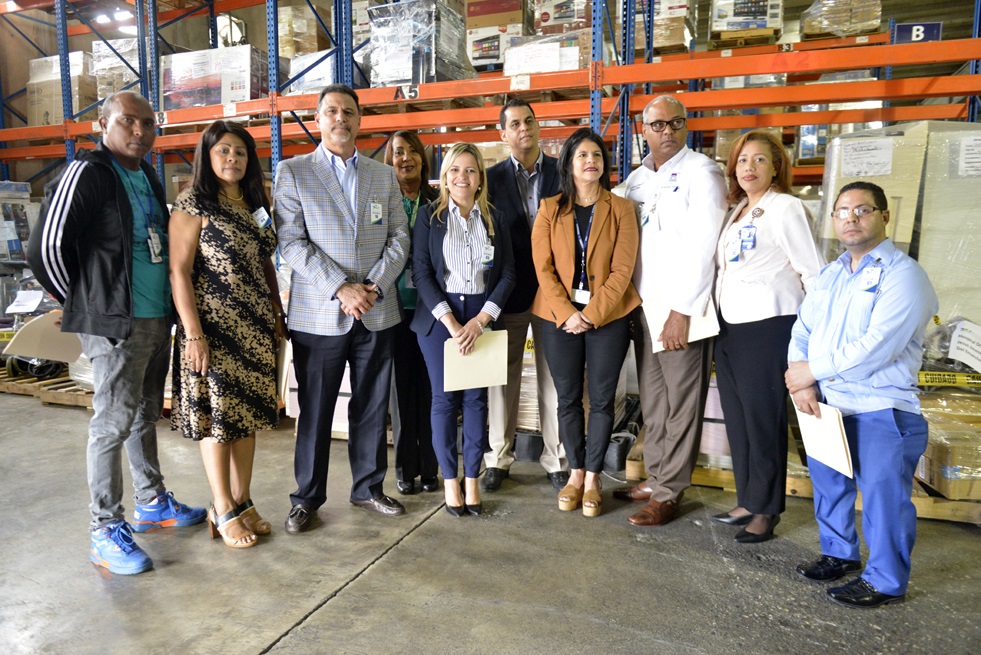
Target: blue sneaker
{"points": [[166, 513], [113, 548]]}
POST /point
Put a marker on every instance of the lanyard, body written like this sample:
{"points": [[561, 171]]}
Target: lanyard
{"points": [[583, 242], [145, 208], [411, 208]]}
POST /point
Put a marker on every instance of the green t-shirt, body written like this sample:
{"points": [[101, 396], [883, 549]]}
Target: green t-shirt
{"points": [[151, 280], [407, 292]]}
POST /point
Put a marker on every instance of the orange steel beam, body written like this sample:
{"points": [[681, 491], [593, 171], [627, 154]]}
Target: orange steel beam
{"points": [[793, 119]]}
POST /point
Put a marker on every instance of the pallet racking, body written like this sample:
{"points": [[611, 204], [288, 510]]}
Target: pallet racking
{"points": [[632, 81]]}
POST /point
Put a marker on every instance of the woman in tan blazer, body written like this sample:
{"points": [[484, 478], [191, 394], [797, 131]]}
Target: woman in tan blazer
{"points": [[584, 244]]}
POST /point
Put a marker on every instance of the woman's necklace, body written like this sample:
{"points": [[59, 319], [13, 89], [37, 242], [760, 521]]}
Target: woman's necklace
{"points": [[222, 192]]}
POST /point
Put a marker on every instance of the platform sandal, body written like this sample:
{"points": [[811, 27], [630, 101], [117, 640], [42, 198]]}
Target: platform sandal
{"points": [[220, 525], [252, 520]]}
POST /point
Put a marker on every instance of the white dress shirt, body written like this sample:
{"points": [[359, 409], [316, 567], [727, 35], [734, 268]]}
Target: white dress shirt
{"points": [[682, 205], [463, 247], [769, 280]]}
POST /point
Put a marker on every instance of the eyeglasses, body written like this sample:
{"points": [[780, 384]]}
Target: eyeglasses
{"points": [[675, 123], [860, 212]]}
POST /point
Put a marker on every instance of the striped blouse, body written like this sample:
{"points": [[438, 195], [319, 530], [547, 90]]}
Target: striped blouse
{"points": [[462, 249]]}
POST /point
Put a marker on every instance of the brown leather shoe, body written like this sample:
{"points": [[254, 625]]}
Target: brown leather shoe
{"points": [[639, 493], [655, 513]]}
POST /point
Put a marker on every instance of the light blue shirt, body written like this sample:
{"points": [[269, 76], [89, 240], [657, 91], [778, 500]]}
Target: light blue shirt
{"points": [[347, 175], [864, 341], [528, 185]]}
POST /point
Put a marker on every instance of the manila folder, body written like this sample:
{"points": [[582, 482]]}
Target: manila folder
{"points": [[699, 327], [824, 439], [485, 366]]}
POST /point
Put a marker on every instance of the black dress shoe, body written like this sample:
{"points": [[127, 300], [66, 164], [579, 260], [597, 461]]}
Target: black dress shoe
{"points": [[381, 504], [430, 484], [746, 537], [829, 568], [558, 479], [299, 518], [727, 519], [406, 487], [454, 511], [474, 510], [493, 477], [859, 593]]}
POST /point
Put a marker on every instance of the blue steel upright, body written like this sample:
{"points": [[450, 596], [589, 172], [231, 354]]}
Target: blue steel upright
{"points": [[624, 150], [275, 121], [595, 94], [61, 27]]}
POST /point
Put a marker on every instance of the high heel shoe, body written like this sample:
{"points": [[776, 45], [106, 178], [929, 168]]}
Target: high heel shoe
{"points": [[569, 498], [745, 537], [473, 509], [452, 510], [252, 520], [592, 502], [221, 525]]}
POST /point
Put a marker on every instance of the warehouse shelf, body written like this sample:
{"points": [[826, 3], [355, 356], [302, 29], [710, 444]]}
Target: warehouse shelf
{"points": [[633, 85]]}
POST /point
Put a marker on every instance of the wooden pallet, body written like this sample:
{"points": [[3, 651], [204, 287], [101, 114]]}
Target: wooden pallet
{"points": [[64, 391], [23, 384], [814, 36], [740, 38]]}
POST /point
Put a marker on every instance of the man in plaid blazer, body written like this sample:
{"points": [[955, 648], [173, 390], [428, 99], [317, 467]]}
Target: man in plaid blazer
{"points": [[343, 231]]}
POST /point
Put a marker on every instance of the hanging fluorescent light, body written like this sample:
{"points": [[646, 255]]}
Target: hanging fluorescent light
{"points": [[102, 19]]}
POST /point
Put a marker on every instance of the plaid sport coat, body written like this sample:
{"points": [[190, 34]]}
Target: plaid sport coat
{"points": [[326, 246]]}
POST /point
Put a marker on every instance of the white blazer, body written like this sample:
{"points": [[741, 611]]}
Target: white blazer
{"points": [[769, 280]]}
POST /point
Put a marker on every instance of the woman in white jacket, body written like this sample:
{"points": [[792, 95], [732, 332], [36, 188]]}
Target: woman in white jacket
{"points": [[766, 259]]}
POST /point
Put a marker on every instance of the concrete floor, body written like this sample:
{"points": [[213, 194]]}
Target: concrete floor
{"points": [[522, 578]]}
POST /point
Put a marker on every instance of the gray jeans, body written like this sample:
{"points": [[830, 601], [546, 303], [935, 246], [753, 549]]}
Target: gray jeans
{"points": [[128, 377]]}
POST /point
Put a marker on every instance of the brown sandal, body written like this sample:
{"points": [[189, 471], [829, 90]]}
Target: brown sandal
{"points": [[252, 520], [569, 498], [221, 525]]}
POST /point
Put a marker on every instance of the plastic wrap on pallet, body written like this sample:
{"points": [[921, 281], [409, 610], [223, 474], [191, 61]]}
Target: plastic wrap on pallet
{"points": [[18, 219], [323, 73], [930, 172], [841, 17], [674, 24], [44, 103], [951, 464], [418, 41], [80, 371], [299, 31], [811, 142], [738, 15], [945, 352], [551, 53], [213, 77], [111, 73]]}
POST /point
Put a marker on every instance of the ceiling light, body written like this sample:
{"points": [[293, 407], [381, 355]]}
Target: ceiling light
{"points": [[102, 19], [129, 29], [122, 15]]}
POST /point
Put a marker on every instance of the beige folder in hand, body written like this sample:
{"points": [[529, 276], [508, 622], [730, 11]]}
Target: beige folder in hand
{"points": [[824, 439], [699, 327], [485, 366]]}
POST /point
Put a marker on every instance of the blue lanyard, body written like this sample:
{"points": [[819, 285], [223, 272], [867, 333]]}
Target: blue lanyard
{"points": [[583, 242], [131, 190]]}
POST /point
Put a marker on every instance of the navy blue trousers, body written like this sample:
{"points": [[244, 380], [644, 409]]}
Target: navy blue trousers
{"points": [[447, 404]]}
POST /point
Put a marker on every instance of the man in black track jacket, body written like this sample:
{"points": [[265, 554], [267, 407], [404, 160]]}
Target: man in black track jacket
{"points": [[100, 248]]}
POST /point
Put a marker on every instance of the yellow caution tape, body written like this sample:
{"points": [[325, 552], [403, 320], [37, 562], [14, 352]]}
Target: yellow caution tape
{"points": [[7, 335], [938, 379]]}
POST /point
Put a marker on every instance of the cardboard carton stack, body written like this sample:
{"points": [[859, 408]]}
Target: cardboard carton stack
{"points": [[213, 77], [840, 18], [491, 26], [561, 16], [111, 73], [44, 103], [673, 25], [746, 15], [299, 31]]}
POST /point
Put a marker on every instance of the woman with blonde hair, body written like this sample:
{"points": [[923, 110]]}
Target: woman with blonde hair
{"points": [[463, 269]]}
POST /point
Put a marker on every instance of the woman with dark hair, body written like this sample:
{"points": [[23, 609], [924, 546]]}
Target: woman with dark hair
{"points": [[766, 260], [225, 291], [463, 267], [584, 243], [414, 454]]}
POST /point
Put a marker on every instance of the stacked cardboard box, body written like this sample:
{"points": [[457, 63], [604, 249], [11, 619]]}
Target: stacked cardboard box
{"points": [[322, 74], [44, 102], [491, 26], [841, 17], [674, 23], [112, 73], [299, 31], [561, 16], [951, 464], [213, 77], [18, 217], [418, 41], [551, 53]]}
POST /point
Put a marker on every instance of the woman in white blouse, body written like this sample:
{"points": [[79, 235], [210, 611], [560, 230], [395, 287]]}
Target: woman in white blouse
{"points": [[463, 269], [766, 259]]}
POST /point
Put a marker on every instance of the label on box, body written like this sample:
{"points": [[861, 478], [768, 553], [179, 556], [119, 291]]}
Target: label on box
{"points": [[965, 344], [866, 157], [969, 159]]}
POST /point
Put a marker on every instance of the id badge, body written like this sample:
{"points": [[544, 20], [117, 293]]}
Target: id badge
{"points": [[733, 248], [487, 255], [650, 209], [747, 237], [376, 213], [580, 296], [261, 217], [154, 246], [870, 278]]}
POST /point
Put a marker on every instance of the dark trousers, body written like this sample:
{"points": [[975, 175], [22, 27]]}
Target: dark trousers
{"points": [[750, 362], [414, 454], [601, 351], [447, 404], [319, 364]]}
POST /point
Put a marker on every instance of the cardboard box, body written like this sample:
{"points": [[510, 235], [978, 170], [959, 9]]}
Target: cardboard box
{"points": [[952, 462], [550, 53], [320, 75], [560, 16], [14, 230], [737, 15], [44, 101], [491, 13], [487, 45], [299, 31], [213, 77], [841, 17]]}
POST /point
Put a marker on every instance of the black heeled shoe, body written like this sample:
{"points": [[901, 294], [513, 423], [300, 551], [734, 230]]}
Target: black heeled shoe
{"points": [[745, 537], [454, 511], [475, 510], [728, 519], [406, 487], [430, 484]]}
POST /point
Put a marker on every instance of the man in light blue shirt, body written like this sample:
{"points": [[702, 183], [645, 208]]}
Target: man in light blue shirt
{"points": [[857, 345]]}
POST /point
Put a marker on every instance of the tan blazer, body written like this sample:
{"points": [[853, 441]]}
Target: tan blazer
{"points": [[610, 258]]}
